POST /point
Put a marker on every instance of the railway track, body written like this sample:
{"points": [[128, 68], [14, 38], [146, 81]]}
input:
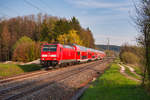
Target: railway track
{"points": [[29, 75], [21, 90], [21, 76]]}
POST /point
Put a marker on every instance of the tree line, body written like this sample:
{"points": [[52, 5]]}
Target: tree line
{"points": [[22, 35]]}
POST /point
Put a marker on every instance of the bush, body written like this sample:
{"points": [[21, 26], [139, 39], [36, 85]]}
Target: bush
{"points": [[129, 58], [26, 51], [23, 39]]}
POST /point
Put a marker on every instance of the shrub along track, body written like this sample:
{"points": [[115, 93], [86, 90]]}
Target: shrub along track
{"points": [[57, 85]]}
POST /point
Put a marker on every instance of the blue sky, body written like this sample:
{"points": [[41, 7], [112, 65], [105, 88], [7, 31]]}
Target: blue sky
{"points": [[106, 18]]}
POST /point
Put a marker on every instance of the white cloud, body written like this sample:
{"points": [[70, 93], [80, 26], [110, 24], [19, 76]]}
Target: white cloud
{"points": [[116, 27], [112, 22], [108, 19], [114, 40], [99, 4]]}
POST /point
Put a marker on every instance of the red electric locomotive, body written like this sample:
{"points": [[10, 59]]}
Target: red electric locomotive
{"points": [[57, 54]]}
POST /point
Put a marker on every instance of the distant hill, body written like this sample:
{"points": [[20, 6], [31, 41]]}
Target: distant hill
{"points": [[111, 47]]}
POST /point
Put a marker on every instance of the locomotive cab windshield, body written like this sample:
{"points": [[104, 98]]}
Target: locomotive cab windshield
{"points": [[50, 48]]}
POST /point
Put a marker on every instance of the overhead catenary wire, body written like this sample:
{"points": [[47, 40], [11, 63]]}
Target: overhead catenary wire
{"points": [[34, 6], [5, 7], [3, 15], [46, 4]]}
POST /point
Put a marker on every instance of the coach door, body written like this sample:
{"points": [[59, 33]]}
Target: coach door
{"points": [[60, 54], [78, 55]]}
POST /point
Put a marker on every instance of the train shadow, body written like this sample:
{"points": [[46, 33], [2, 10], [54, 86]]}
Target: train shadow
{"points": [[30, 67]]}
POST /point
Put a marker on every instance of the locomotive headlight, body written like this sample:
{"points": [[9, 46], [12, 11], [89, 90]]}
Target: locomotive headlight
{"points": [[44, 55], [53, 55]]}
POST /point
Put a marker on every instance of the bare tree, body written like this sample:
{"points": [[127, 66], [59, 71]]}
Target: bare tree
{"points": [[5, 42], [143, 23]]}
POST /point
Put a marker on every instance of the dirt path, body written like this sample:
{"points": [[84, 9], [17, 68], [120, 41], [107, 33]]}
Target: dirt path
{"points": [[133, 71], [122, 71]]}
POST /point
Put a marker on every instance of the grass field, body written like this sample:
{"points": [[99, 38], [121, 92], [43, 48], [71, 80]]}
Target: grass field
{"points": [[114, 86], [13, 69], [137, 70]]}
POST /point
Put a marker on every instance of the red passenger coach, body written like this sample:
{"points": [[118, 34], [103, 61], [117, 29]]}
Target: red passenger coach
{"points": [[89, 54], [56, 54], [68, 54], [81, 53], [93, 54], [102, 54], [77, 53]]}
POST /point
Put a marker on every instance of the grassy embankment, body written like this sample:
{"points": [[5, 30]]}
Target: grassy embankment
{"points": [[114, 86], [14, 69], [137, 69]]}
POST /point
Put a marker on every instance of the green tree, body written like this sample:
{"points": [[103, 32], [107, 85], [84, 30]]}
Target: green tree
{"points": [[45, 33], [62, 26], [74, 23]]}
